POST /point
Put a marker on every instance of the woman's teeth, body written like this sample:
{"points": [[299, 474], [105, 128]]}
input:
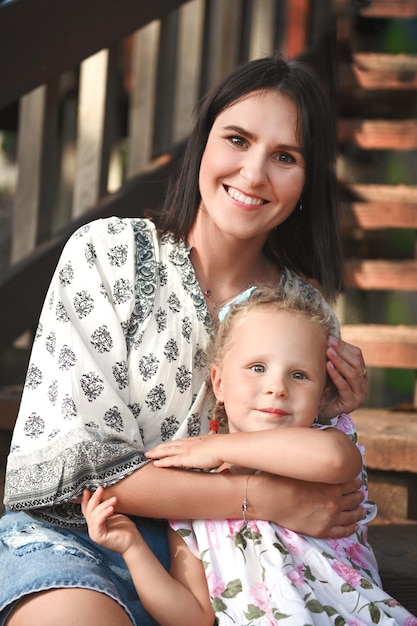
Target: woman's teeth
{"points": [[240, 197]]}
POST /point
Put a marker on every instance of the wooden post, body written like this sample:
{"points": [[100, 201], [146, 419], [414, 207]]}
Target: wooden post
{"points": [[262, 28], [222, 41], [298, 12], [37, 158], [93, 147], [189, 55], [142, 98]]}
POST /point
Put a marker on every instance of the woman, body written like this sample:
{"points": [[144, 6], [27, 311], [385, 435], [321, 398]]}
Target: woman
{"points": [[119, 362]]}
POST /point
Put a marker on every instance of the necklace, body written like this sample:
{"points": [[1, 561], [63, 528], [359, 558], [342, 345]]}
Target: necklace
{"points": [[207, 294], [225, 304], [214, 304]]}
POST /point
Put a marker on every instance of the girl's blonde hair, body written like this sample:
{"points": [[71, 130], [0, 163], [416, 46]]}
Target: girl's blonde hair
{"points": [[319, 313]]}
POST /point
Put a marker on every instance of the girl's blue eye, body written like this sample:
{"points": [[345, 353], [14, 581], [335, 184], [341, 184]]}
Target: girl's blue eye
{"points": [[257, 368], [299, 375]]}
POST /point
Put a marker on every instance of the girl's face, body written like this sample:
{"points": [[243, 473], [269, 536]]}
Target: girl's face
{"points": [[273, 373], [252, 170]]}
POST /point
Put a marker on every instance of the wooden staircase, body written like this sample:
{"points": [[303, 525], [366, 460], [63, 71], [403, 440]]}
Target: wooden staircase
{"points": [[377, 98], [377, 124]]}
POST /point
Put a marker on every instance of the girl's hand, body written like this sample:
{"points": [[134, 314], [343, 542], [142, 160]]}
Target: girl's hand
{"points": [[193, 453], [109, 529], [346, 368]]}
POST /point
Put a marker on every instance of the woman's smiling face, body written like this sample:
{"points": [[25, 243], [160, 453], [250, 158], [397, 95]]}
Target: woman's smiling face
{"points": [[252, 170]]}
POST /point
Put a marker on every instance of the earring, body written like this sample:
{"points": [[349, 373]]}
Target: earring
{"points": [[300, 204]]}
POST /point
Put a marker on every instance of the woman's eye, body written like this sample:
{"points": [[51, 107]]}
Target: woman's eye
{"points": [[284, 157], [237, 141], [259, 369]]}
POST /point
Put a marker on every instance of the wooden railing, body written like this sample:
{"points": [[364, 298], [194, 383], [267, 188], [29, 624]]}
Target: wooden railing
{"points": [[377, 119]]}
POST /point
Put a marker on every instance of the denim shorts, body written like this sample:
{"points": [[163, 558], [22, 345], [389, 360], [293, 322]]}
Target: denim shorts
{"points": [[36, 556]]}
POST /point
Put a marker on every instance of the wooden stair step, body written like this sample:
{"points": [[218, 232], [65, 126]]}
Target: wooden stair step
{"points": [[383, 345], [390, 9], [377, 71], [406, 194], [373, 207], [378, 134], [394, 493], [389, 437], [377, 215], [381, 274], [395, 547], [377, 61], [379, 8]]}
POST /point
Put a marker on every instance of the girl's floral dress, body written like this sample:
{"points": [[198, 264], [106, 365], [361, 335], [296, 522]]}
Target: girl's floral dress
{"points": [[261, 574]]}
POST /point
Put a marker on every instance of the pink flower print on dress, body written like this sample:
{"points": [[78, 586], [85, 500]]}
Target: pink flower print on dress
{"points": [[348, 574], [410, 621], [294, 543], [338, 546], [344, 423], [261, 597], [355, 552], [235, 526], [215, 584], [212, 537], [296, 576], [254, 527], [288, 534]]}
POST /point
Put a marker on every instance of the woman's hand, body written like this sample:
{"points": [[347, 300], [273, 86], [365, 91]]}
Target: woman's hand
{"points": [[314, 509], [109, 529], [346, 368], [191, 453]]}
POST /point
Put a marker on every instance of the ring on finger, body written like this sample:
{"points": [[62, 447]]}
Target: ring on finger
{"points": [[364, 373]]}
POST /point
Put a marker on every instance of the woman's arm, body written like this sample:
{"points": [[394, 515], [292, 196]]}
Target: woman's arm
{"points": [[315, 509], [178, 597], [303, 453]]}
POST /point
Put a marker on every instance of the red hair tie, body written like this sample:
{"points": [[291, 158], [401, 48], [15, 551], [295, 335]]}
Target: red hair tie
{"points": [[214, 427]]}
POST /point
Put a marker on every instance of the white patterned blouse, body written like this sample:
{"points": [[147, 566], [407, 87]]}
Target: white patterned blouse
{"points": [[118, 365]]}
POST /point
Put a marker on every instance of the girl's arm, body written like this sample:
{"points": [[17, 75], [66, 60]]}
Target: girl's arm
{"points": [[178, 597], [327, 456]]}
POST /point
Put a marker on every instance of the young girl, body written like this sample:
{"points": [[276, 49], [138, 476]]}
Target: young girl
{"points": [[269, 376]]}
